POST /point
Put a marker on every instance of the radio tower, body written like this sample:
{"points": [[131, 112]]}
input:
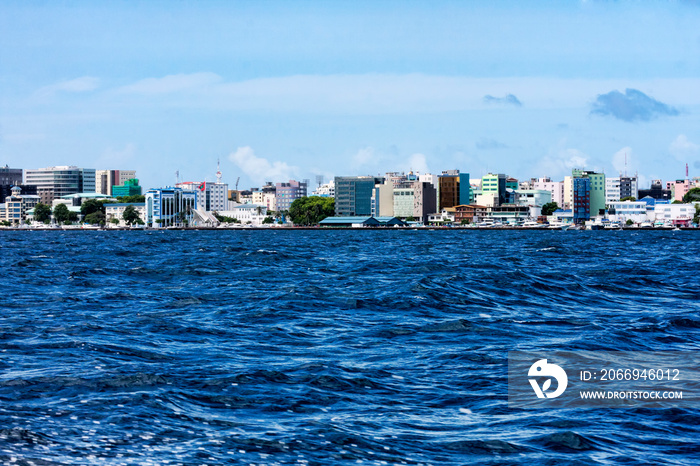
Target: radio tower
{"points": [[218, 172]]}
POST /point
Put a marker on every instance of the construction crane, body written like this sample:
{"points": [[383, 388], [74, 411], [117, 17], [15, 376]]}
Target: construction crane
{"points": [[237, 180]]}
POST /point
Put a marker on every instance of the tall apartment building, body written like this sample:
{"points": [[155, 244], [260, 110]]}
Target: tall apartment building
{"points": [[56, 182], [267, 196], [453, 189], [10, 176], [414, 199], [554, 187], [353, 195], [495, 184], [106, 179], [679, 188], [597, 190], [620, 188], [582, 199], [286, 193]]}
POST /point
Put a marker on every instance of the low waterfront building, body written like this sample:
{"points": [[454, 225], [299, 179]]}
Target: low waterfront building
{"points": [[468, 214], [361, 222], [247, 214], [116, 210], [622, 211], [674, 214]]}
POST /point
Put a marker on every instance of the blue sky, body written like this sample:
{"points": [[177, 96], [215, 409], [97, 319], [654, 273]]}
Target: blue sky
{"points": [[280, 89]]}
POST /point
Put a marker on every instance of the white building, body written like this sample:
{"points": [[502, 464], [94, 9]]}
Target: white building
{"points": [[676, 214], [16, 205], [247, 214], [54, 182], [533, 197], [620, 187], [621, 211], [568, 193], [170, 207], [268, 199], [211, 197], [326, 190], [115, 210]]}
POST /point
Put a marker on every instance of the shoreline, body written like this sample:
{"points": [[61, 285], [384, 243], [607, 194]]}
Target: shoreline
{"points": [[338, 229]]}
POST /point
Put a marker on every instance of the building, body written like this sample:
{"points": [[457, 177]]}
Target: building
{"points": [[247, 214], [414, 199], [495, 185], [656, 191], [383, 200], [556, 188], [170, 207], [674, 214], [326, 190], [288, 192], [453, 189], [116, 210], [6, 190], [622, 211], [581, 199], [469, 214], [597, 190], [620, 188], [361, 222], [17, 205], [532, 197], [267, 196], [129, 188], [679, 188], [11, 176], [211, 197], [56, 182], [353, 195], [105, 180]]}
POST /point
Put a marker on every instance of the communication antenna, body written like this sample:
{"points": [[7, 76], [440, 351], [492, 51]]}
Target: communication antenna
{"points": [[177, 177], [319, 180], [218, 171], [686, 171], [625, 163]]}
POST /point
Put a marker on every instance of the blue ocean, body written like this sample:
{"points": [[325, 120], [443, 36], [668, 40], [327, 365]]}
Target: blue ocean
{"points": [[331, 347]]}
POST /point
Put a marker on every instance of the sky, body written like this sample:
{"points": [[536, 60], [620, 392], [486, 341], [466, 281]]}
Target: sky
{"points": [[278, 90]]}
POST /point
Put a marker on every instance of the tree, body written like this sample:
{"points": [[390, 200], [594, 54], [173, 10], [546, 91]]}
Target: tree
{"points": [[696, 217], [42, 213], [91, 206], [268, 220], [629, 222], [130, 215], [464, 221], [115, 221], [628, 198], [549, 208], [411, 219], [134, 199], [311, 210], [61, 213], [95, 218], [692, 196]]}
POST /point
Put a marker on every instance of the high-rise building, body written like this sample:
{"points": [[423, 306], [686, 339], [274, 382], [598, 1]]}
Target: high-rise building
{"points": [[10, 176], [105, 180], [56, 182], [286, 193], [597, 190], [620, 188], [353, 195], [414, 199], [453, 189], [495, 184], [582, 199], [679, 188]]}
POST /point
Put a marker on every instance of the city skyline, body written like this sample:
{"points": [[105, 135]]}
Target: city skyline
{"points": [[281, 91]]}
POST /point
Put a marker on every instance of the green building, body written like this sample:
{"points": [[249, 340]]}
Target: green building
{"points": [[495, 184], [597, 194], [129, 188]]}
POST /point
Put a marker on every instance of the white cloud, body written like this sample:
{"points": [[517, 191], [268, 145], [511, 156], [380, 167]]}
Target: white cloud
{"points": [[259, 169], [560, 161], [417, 163], [114, 158], [619, 158], [173, 83], [365, 156], [682, 149], [84, 84]]}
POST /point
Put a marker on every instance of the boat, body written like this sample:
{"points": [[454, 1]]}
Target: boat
{"points": [[533, 224]]}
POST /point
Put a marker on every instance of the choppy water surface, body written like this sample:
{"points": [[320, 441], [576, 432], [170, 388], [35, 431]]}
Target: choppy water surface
{"points": [[331, 347]]}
